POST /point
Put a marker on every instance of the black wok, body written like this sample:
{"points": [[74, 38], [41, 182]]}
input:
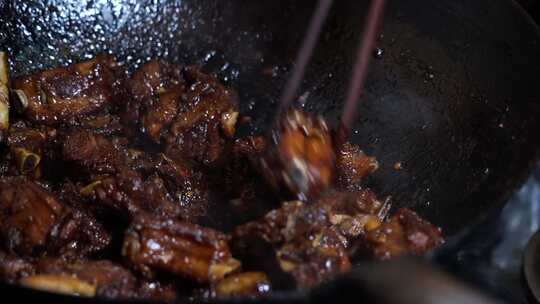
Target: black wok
{"points": [[455, 97]]}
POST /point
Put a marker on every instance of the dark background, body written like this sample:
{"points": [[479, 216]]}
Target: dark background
{"points": [[533, 6], [491, 256]]}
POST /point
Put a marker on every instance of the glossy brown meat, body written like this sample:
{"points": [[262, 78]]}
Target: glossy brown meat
{"points": [[352, 165], [55, 96], [29, 215], [98, 154], [188, 111], [34, 221], [311, 240], [93, 152], [187, 186], [13, 268], [130, 194], [297, 220], [305, 243], [316, 259], [153, 93], [180, 248], [80, 234], [404, 233], [353, 214], [101, 123], [91, 278], [132, 181], [94, 278], [300, 158], [206, 118]]}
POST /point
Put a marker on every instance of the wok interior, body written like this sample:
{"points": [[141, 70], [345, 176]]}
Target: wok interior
{"points": [[453, 98]]}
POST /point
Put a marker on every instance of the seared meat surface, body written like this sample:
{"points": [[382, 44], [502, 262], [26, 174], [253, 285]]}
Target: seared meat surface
{"points": [[139, 187], [189, 112], [404, 233], [206, 117], [97, 277], [34, 222], [311, 240], [185, 249], [13, 268], [352, 165], [54, 96]]}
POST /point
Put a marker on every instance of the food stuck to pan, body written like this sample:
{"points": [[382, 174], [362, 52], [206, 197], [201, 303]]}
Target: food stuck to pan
{"points": [[139, 187]]}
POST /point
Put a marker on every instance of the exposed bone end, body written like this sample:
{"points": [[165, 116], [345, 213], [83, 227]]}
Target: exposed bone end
{"points": [[228, 122], [89, 189], [63, 284], [219, 270], [27, 161], [286, 265]]}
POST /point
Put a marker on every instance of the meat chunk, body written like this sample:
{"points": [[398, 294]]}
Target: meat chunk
{"points": [[312, 240], [154, 91], [184, 249], [93, 153], [130, 193], [305, 243], [355, 213], [353, 165], [102, 123], [133, 181], [93, 278], [189, 112], [83, 278], [33, 221], [297, 220], [301, 158], [79, 234], [110, 183], [29, 216], [54, 96], [293, 219], [206, 118], [404, 233], [316, 259], [13, 268], [186, 186]]}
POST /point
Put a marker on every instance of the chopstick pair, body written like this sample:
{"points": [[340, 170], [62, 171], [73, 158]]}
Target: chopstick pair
{"points": [[363, 57]]}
